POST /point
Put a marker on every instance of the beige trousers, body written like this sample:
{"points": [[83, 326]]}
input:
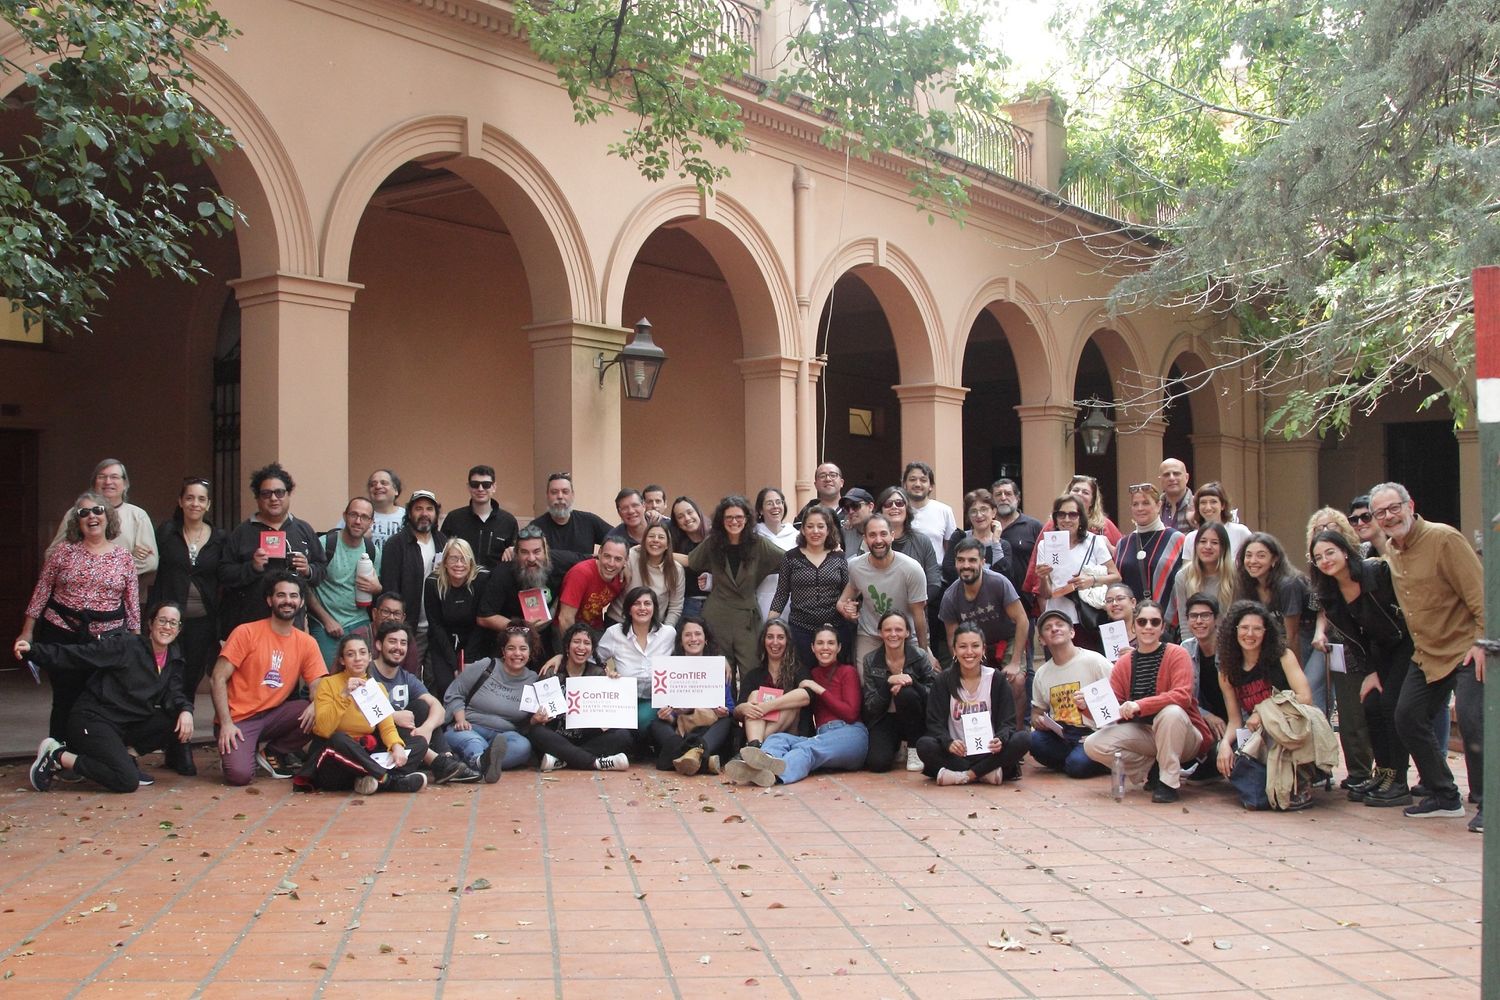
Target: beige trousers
{"points": [[1168, 738]]}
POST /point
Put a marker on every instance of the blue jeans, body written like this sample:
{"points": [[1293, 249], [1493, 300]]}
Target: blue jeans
{"points": [[838, 744], [1065, 753], [468, 744]]}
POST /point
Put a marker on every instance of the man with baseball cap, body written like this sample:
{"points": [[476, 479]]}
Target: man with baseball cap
{"points": [[1058, 727], [855, 507]]}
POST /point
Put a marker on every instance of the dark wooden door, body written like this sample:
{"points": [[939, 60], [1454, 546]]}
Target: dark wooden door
{"points": [[19, 544]]}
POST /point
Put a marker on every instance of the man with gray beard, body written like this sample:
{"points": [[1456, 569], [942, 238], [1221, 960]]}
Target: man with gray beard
{"points": [[1019, 531], [407, 559], [564, 528], [535, 567]]}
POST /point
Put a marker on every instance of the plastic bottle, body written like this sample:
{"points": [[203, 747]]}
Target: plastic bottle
{"points": [[1117, 776], [366, 571]]}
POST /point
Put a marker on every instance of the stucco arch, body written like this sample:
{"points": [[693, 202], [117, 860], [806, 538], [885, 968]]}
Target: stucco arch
{"points": [[1203, 386], [744, 252], [258, 175], [514, 182], [1027, 332], [1122, 347], [909, 305]]}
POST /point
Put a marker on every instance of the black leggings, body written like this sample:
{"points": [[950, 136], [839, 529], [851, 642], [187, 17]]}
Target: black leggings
{"points": [[340, 760], [713, 738], [545, 739], [101, 747], [199, 642], [935, 755], [1380, 719], [67, 684], [907, 724]]}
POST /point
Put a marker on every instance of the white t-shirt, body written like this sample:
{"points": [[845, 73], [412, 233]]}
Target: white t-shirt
{"points": [[1054, 686], [786, 540], [935, 520]]}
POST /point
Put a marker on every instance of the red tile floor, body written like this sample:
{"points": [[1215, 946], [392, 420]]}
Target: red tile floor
{"points": [[639, 884]]}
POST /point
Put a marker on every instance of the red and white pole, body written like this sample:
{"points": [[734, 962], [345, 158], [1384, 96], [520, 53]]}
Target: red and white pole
{"points": [[1487, 398]]}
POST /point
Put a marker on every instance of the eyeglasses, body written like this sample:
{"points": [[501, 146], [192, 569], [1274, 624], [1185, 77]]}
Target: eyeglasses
{"points": [[1384, 513], [170, 626], [480, 484], [828, 475], [97, 511], [518, 630], [734, 518], [275, 494], [356, 516], [1065, 515], [1144, 488], [1364, 518], [391, 614], [1200, 616], [1118, 599], [111, 477], [1148, 622]]}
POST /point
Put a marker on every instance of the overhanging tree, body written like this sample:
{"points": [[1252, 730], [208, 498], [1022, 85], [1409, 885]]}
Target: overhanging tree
{"points": [[1328, 174], [109, 83], [879, 79]]}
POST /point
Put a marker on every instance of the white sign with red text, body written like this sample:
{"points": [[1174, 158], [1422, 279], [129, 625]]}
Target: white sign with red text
{"points": [[601, 703], [687, 681]]}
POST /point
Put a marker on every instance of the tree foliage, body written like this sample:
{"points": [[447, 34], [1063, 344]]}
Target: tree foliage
{"points": [[880, 80], [108, 82], [1328, 174]]}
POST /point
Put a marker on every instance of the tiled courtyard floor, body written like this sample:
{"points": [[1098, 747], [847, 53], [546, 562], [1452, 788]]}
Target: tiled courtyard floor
{"points": [[643, 884]]}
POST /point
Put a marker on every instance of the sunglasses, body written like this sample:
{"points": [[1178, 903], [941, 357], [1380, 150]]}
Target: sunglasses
{"points": [[1065, 515], [1148, 622], [1145, 488], [276, 494], [894, 503], [480, 484], [86, 511], [1364, 518], [196, 481]]}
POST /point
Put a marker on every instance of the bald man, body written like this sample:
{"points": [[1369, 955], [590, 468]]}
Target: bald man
{"points": [[1176, 498]]}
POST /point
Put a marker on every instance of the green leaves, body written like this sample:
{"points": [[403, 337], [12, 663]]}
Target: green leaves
{"points": [[684, 68], [106, 82]]}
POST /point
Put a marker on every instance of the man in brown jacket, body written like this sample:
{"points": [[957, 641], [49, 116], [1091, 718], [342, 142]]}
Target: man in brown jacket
{"points": [[1440, 584]]}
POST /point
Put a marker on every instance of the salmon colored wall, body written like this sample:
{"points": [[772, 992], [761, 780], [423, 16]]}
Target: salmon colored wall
{"points": [[439, 366], [690, 436]]}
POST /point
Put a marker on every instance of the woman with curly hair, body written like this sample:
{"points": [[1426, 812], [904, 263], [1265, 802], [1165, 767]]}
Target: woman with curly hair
{"points": [[1263, 573], [738, 560], [1253, 664]]}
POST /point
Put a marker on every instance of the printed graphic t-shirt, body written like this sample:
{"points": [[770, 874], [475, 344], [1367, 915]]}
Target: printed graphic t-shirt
{"points": [[267, 666]]}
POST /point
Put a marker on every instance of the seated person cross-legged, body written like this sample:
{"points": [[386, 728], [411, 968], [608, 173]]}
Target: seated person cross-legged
{"points": [[1160, 726], [695, 739], [1058, 727], [840, 740], [771, 698], [584, 749], [490, 728], [971, 687], [344, 743]]}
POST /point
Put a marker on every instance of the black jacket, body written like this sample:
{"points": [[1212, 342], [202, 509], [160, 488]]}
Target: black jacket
{"points": [[244, 594], [401, 567], [877, 693], [1373, 627], [125, 686], [488, 538], [176, 570], [1002, 706]]}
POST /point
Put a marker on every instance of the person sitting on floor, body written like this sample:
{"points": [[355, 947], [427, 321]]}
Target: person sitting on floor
{"points": [[1058, 728], [133, 698], [971, 687], [583, 749], [840, 739], [345, 742], [695, 739]]}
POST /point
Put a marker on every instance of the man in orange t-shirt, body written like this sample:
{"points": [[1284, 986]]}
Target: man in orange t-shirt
{"points": [[257, 671]]}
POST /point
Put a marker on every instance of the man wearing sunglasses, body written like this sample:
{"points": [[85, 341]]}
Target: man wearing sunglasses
{"points": [[1440, 584], [1160, 726], [247, 563], [489, 528]]}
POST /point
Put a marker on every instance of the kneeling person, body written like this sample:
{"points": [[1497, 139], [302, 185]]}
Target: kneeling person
{"points": [[133, 698]]}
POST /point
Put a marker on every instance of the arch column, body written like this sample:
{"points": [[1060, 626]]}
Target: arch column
{"points": [[808, 457], [576, 421], [1470, 483], [1285, 513], [770, 420], [1221, 458], [1045, 461], [294, 377], [932, 430], [1138, 455]]}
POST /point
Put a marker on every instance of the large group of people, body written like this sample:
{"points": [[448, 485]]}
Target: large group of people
{"points": [[867, 630]]}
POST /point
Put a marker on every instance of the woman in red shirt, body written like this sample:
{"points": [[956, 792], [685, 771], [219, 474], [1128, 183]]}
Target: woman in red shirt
{"points": [[841, 740]]}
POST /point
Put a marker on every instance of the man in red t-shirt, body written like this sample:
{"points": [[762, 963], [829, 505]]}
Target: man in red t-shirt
{"points": [[257, 671], [590, 586]]}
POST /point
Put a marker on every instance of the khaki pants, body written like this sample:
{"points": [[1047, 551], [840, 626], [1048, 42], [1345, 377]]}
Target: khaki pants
{"points": [[864, 645], [1169, 738]]}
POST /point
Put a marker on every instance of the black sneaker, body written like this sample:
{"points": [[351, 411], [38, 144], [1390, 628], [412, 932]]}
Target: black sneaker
{"points": [[1388, 791], [1153, 779], [489, 764], [46, 765], [180, 759], [142, 778], [275, 764], [415, 781], [1359, 789], [446, 768], [1476, 825], [1163, 793], [1433, 807]]}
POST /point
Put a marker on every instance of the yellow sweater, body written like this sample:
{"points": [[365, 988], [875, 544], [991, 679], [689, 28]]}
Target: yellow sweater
{"points": [[335, 710]]}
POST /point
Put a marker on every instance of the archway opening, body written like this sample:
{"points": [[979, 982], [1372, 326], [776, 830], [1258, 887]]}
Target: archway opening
{"points": [[1094, 384], [1177, 411], [859, 415], [992, 428]]}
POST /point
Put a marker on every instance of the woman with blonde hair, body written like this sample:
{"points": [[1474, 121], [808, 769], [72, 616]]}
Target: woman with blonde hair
{"points": [[452, 604], [1208, 569]]}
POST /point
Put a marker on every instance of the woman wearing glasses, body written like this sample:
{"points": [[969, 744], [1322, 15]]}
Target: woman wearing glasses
{"points": [[132, 697], [738, 560], [1086, 489], [896, 507], [136, 536], [452, 601], [1086, 564], [88, 589], [191, 548]]}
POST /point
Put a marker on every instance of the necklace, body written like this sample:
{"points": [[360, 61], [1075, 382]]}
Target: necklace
{"points": [[195, 544]]}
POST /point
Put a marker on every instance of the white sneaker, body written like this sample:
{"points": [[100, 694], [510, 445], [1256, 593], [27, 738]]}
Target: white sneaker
{"points": [[617, 762], [551, 763], [947, 777], [366, 784], [913, 762]]}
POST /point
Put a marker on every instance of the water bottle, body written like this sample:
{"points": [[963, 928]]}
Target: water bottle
{"points": [[365, 571], [1117, 777]]}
